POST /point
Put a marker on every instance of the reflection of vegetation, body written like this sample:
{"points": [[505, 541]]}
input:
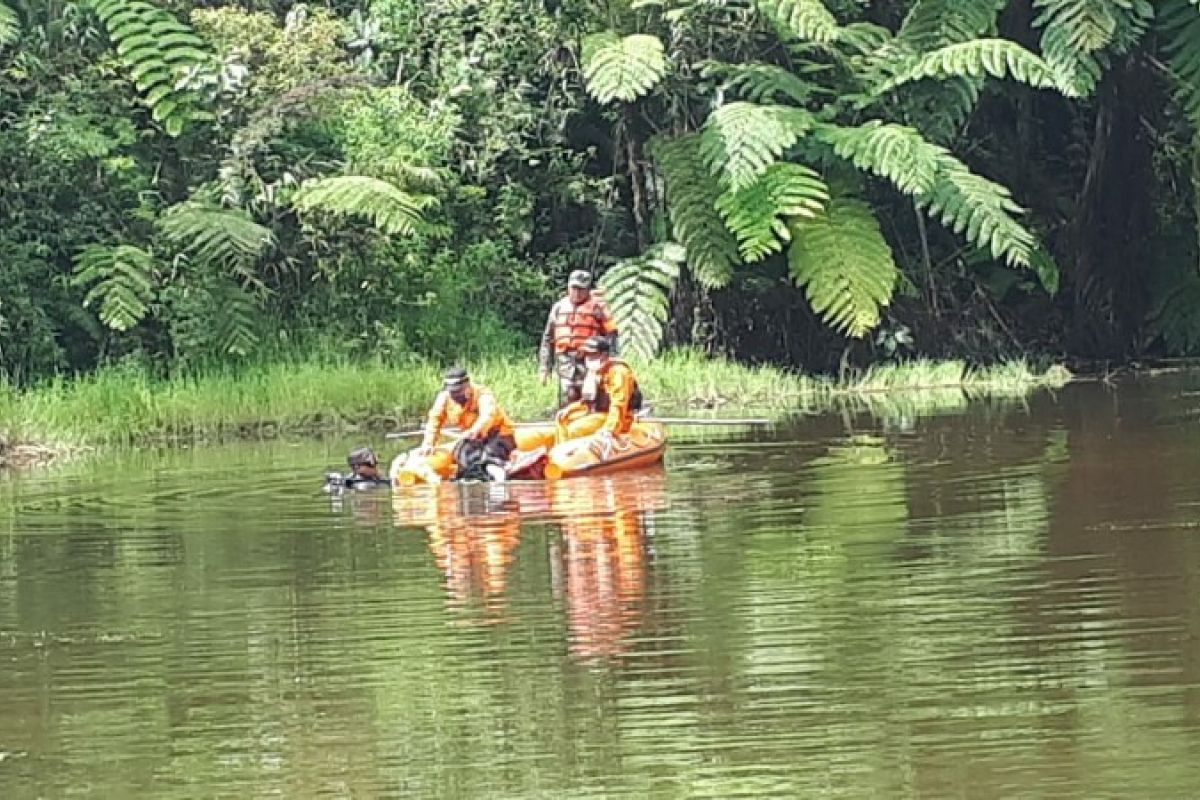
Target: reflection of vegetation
{"points": [[860, 617]]}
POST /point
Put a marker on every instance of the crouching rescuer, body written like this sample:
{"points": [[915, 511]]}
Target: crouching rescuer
{"points": [[487, 441], [611, 397]]}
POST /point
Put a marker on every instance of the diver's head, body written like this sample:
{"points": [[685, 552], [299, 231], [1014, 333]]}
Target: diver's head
{"points": [[363, 462]]}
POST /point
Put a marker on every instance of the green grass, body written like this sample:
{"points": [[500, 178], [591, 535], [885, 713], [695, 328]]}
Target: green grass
{"points": [[125, 405]]}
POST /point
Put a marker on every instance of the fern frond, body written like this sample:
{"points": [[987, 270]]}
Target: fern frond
{"points": [[983, 211], [760, 83], [638, 291], [10, 25], [216, 235], [1077, 35], [803, 20], [119, 279], [931, 24], [894, 152], [165, 58], [1179, 21], [758, 214], [390, 208], [691, 196], [740, 140], [616, 68], [236, 326], [844, 265], [998, 58], [980, 210]]}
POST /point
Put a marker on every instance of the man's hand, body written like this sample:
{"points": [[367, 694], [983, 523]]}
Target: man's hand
{"points": [[423, 450]]}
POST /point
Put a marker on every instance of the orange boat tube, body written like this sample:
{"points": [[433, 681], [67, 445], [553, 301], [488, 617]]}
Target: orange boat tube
{"points": [[643, 446]]}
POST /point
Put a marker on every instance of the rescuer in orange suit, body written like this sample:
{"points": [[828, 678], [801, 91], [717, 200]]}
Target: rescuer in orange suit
{"points": [[611, 397], [488, 437], [573, 320]]}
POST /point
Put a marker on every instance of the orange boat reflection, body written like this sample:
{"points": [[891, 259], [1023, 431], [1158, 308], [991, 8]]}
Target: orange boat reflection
{"points": [[604, 558], [473, 535], [599, 570]]}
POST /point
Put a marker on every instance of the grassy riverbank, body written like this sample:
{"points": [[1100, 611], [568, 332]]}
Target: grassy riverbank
{"points": [[124, 406]]}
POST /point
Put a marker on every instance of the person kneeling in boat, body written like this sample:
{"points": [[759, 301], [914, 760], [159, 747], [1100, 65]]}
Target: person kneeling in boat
{"points": [[611, 397], [364, 472], [487, 439]]}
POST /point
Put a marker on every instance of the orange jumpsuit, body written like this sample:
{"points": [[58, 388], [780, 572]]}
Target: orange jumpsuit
{"points": [[611, 410], [480, 416]]}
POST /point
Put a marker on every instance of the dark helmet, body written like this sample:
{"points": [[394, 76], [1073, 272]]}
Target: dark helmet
{"points": [[362, 457], [597, 345], [455, 378]]}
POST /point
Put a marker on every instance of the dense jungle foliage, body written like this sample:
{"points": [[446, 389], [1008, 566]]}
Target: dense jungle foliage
{"points": [[802, 181]]}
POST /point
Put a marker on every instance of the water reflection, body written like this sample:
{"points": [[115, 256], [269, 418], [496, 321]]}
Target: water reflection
{"points": [[604, 523], [473, 533], [997, 603], [594, 534]]}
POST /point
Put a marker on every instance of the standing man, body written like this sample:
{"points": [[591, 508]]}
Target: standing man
{"points": [[573, 320]]}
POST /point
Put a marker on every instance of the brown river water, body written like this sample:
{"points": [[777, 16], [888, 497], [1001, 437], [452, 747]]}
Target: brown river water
{"points": [[940, 599]]}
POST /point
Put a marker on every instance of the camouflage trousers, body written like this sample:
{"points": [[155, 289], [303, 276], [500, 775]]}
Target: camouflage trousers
{"points": [[571, 371]]}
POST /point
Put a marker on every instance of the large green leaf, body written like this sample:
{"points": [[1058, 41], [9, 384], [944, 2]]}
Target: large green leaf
{"points": [[622, 68], [389, 207], [638, 292], [741, 140], [844, 264], [758, 214]]}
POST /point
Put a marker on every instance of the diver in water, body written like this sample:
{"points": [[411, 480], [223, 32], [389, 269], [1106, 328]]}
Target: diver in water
{"points": [[364, 473]]}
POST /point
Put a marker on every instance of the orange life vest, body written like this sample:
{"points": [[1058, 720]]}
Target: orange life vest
{"points": [[575, 324]]}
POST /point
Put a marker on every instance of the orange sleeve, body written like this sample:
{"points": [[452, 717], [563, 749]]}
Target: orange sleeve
{"points": [[437, 418], [486, 415], [620, 391]]}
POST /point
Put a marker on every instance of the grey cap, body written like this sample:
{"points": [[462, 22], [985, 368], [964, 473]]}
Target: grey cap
{"points": [[580, 279], [455, 377]]}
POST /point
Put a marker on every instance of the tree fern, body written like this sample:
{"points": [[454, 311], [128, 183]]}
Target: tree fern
{"points": [[235, 327], [983, 211], [390, 208], [931, 24], [10, 25], [1077, 33], [998, 58], [691, 195], [758, 214], [120, 281], [638, 292], [980, 210], [221, 236], [167, 61], [741, 140], [1179, 21], [844, 264], [804, 20], [760, 83], [895, 152], [622, 68]]}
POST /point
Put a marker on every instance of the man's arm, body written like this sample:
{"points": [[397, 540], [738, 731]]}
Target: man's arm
{"points": [[435, 421], [620, 393], [487, 415]]}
